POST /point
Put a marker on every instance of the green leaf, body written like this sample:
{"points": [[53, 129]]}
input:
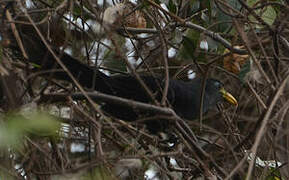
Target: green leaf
{"points": [[188, 48], [35, 65], [251, 2], [17, 126], [269, 15], [218, 16], [274, 174], [42, 124], [190, 43]]}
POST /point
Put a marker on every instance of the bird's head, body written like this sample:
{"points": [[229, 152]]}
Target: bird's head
{"points": [[216, 92]]}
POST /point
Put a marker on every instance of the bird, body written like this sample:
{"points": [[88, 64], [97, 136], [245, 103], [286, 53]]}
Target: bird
{"points": [[183, 97]]}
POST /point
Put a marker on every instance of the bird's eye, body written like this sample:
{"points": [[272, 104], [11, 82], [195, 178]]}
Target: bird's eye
{"points": [[217, 84]]}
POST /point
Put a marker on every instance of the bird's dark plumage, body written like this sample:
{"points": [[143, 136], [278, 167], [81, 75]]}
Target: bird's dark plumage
{"points": [[183, 97]]}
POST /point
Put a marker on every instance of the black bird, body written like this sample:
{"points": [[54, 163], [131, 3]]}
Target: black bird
{"points": [[183, 97]]}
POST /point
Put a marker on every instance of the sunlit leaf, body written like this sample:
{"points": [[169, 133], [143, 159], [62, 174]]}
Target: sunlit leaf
{"points": [[16, 126], [269, 15], [251, 2], [35, 65], [42, 124]]}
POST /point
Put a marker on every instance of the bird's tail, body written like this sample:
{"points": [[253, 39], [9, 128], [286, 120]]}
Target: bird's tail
{"points": [[39, 54], [86, 76]]}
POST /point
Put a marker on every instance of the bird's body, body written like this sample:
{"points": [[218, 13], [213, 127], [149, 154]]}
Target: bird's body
{"points": [[183, 97]]}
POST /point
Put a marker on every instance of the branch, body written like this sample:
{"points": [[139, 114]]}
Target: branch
{"points": [[97, 96], [138, 30], [217, 37]]}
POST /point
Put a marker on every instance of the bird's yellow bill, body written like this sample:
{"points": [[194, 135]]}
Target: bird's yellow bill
{"points": [[228, 97]]}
